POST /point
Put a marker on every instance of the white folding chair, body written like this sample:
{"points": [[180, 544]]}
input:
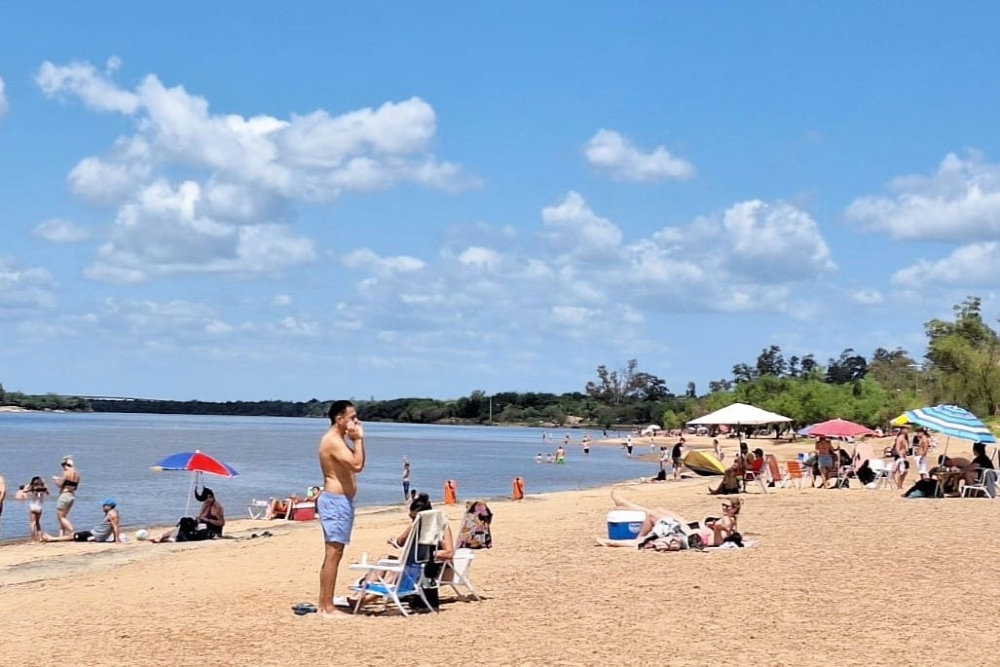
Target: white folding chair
{"points": [[882, 476], [257, 509], [455, 573], [985, 484]]}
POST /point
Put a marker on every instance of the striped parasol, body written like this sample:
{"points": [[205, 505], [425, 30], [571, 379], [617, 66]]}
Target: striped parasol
{"points": [[952, 421]]}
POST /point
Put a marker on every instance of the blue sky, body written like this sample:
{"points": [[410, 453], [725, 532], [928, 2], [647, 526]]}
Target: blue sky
{"points": [[362, 199]]}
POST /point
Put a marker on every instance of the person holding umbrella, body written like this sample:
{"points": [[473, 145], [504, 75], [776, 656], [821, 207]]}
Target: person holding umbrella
{"points": [[340, 464]]}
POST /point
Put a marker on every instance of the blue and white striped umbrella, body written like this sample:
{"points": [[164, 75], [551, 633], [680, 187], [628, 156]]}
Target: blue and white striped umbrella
{"points": [[951, 420]]}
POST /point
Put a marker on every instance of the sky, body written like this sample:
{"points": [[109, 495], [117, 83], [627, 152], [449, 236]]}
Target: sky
{"points": [[380, 200]]}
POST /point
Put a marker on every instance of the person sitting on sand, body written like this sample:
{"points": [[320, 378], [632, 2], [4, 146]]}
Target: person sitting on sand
{"points": [[664, 531], [212, 516], [732, 478], [105, 531]]}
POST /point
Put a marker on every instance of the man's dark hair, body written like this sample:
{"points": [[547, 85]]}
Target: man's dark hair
{"points": [[338, 408]]}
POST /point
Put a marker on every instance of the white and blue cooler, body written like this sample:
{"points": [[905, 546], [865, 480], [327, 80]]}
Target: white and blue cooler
{"points": [[625, 524]]}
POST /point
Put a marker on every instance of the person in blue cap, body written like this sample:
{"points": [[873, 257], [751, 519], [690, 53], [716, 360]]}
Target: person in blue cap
{"points": [[105, 531]]}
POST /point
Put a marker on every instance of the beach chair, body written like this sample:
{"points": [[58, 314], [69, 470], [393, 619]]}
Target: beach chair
{"points": [[393, 580], [882, 475], [984, 486], [455, 573], [795, 474], [257, 509], [758, 476]]}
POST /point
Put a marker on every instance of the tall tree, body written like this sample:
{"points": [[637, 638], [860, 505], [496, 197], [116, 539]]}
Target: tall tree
{"points": [[771, 362], [964, 356], [850, 367]]}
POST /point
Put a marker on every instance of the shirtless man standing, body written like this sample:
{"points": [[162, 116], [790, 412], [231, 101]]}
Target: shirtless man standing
{"points": [[898, 453], [335, 506], [923, 448]]}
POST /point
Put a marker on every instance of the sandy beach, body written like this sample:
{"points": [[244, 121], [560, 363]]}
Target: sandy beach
{"points": [[841, 577]]}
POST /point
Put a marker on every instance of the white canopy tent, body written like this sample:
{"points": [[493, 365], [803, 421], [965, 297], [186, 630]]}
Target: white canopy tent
{"points": [[739, 414]]}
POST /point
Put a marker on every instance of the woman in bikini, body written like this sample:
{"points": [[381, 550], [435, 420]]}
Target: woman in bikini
{"points": [[68, 483], [34, 492], [665, 531]]}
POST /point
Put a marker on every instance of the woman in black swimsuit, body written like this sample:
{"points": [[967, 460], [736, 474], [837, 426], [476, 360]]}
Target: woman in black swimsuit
{"points": [[212, 513]]}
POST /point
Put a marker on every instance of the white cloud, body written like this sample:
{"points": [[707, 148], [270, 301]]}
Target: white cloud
{"points": [[615, 154], [167, 230], [481, 257], [974, 265], [296, 327], [281, 301], [961, 201], [61, 231], [585, 279], [577, 230], [867, 297], [243, 174], [4, 105], [25, 288], [86, 83], [364, 258], [776, 241]]}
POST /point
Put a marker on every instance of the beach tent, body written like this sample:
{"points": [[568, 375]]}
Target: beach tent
{"points": [[650, 430], [740, 414]]}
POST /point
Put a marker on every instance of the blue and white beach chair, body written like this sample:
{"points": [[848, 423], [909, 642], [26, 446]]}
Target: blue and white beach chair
{"points": [[393, 580]]}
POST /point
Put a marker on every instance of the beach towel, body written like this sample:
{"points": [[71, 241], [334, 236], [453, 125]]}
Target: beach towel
{"points": [[475, 531], [432, 528], [731, 545]]}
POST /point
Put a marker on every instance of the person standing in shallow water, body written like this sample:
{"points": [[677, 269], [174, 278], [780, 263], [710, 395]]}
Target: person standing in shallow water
{"points": [[340, 463], [406, 479]]}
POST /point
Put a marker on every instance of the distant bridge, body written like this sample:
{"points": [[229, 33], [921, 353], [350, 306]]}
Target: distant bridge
{"points": [[113, 398]]}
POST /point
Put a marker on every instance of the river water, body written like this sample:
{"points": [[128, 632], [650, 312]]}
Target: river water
{"points": [[275, 457]]}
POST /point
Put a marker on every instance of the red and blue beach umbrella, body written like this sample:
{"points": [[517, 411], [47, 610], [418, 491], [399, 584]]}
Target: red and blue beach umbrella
{"points": [[197, 462]]}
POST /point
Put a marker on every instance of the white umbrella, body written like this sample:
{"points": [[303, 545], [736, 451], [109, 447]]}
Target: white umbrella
{"points": [[740, 414]]}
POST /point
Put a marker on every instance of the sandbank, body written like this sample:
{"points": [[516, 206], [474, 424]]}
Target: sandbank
{"points": [[840, 577]]}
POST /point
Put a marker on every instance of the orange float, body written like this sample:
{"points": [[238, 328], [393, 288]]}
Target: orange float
{"points": [[450, 492], [517, 490]]}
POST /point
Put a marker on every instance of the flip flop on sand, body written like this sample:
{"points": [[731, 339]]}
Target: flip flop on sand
{"points": [[303, 608]]}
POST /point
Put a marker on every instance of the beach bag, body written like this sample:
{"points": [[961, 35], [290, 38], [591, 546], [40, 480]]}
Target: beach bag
{"points": [[188, 531], [475, 531]]}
